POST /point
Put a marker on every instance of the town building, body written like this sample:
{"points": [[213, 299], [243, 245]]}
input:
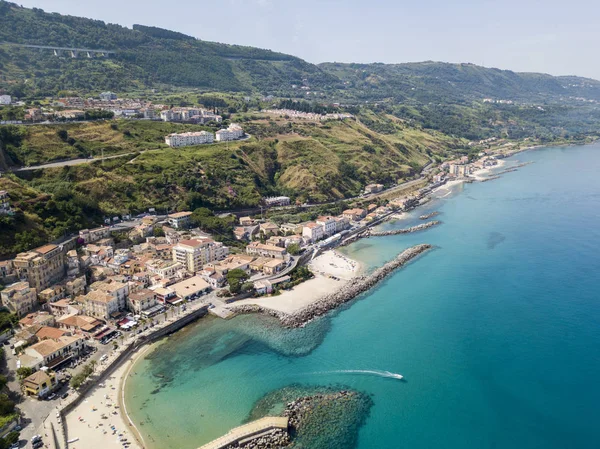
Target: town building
{"points": [[268, 229], [5, 99], [19, 298], [271, 201], [80, 324], [38, 319], [93, 235], [179, 220], [329, 224], [373, 188], [313, 231], [273, 266], [233, 132], [52, 293], [5, 203], [191, 288], [8, 273], [354, 214], [102, 305], [142, 301], [190, 138], [262, 250], [195, 253], [52, 353], [108, 96], [39, 384], [42, 266]]}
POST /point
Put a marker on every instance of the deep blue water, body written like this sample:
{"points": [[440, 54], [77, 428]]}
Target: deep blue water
{"points": [[497, 331]]}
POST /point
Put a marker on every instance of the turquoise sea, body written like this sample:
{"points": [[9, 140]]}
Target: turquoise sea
{"points": [[497, 331]]}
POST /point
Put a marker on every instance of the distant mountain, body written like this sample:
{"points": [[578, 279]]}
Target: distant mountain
{"points": [[148, 57], [431, 81]]}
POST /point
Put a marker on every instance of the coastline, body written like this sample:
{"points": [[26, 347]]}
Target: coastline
{"points": [[332, 271], [282, 302]]}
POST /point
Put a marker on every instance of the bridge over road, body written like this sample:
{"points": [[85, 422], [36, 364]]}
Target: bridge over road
{"points": [[249, 431]]}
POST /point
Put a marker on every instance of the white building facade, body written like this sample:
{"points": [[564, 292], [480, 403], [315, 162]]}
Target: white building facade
{"points": [[191, 138]]}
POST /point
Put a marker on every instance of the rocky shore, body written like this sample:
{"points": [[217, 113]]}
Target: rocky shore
{"points": [[428, 216], [349, 291], [417, 228]]}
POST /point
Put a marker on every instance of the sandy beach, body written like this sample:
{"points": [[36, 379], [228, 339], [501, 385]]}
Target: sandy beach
{"points": [[87, 424], [484, 173], [331, 269]]}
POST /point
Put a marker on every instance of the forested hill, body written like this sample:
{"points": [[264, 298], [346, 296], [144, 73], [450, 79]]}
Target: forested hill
{"points": [[431, 81], [149, 57], [144, 56]]}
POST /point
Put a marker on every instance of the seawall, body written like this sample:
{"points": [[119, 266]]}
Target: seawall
{"points": [[417, 228], [348, 292]]}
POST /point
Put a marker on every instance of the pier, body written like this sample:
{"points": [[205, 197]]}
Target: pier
{"points": [[248, 432]]}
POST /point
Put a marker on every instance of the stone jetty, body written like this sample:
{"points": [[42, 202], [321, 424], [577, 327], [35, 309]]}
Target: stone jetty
{"points": [[428, 216], [417, 228], [346, 293]]}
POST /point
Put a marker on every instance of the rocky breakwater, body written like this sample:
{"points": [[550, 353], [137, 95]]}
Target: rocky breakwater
{"points": [[273, 439], [348, 292], [417, 228], [428, 216]]}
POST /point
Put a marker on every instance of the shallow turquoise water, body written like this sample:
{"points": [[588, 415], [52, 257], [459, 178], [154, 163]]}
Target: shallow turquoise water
{"points": [[497, 331]]}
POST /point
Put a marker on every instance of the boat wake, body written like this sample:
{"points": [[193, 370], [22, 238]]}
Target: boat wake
{"points": [[364, 372]]}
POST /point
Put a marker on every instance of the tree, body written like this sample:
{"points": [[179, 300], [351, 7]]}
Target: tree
{"points": [[3, 381], [24, 372], [6, 405], [159, 232], [293, 249], [62, 134], [235, 279]]}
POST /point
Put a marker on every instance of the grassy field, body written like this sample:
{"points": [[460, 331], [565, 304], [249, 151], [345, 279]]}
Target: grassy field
{"points": [[44, 143]]}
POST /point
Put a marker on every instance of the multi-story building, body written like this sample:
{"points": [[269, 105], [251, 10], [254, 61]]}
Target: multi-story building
{"points": [[108, 96], [5, 99], [93, 235], [268, 229], [233, 132], [118, 290], [373, 188], [19, 298], [52, 353], [354, 214], [7, 272], [180, 220], [313, 231], [341, 223], [142, 300], [329, 224], [102, 305], [190, 138], [193, 254], [5, 203], [262, 250], [166, 269], [42, 266]]}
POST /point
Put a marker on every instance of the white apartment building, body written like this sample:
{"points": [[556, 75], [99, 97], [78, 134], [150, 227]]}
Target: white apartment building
{"points": [[313, 231], [328, 223], [5, 99], [191, 138], [193, 254], [179, 220], [233, 132]]}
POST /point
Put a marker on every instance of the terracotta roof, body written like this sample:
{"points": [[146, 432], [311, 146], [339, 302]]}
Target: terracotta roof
{"points": [[180, 215], [45, 249], [49, 333]]}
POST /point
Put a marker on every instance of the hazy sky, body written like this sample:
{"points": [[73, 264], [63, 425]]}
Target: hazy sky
{"points": [[557, 37]]}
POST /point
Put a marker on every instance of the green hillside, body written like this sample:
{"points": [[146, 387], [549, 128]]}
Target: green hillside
{"points": [[308, 161], [144, 57], [456, 83]]}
